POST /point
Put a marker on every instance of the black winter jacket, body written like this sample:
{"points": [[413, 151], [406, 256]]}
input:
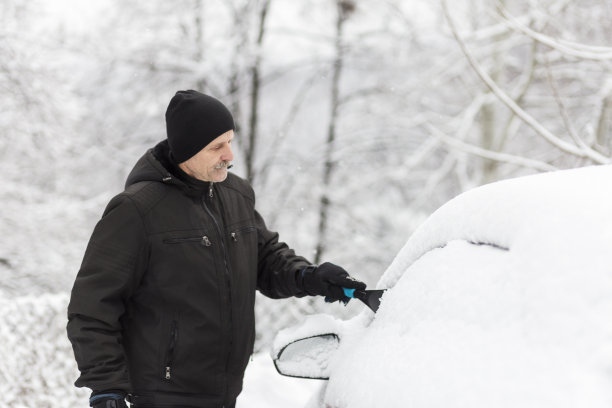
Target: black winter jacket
{"points": [[163, 305]]}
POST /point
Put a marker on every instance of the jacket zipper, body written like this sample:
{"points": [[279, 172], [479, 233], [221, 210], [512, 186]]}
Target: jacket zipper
{"points": [[204, 240], [171, 348], [227, 273], [239, 231]]}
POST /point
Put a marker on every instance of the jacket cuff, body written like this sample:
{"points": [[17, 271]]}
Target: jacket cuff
{"points": [[112, 394], [303, 275]]}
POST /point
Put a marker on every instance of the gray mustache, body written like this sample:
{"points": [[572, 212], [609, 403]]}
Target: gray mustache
{"points": [[226, 164]]}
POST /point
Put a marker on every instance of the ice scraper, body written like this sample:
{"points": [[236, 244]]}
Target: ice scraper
{"points": [[370, 297]]}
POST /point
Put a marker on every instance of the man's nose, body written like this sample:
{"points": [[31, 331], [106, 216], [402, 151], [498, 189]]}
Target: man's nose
{"points": [[228, 155]]}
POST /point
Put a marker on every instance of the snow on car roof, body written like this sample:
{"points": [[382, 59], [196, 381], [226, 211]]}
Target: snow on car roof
{"points": [[554, 211]]}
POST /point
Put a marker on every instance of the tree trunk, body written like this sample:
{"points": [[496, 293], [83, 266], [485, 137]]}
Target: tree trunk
{"points": [[490, 120], [604, 125], [199, 48], [344, 8], [255, 94]]}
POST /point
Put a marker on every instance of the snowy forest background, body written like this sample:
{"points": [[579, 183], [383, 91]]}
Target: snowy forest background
{"points": [[356, 119]]}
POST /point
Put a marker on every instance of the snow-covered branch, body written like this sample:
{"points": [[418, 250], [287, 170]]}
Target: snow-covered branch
{"points": [[487, 154], [582, 51], [518, 111], [563, 111]]}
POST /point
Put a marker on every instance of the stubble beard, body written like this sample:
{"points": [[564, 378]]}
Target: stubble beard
{"points": [[220, 171]]}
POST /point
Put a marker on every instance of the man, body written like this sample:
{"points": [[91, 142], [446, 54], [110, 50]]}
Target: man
{"points": [[162, 309]]}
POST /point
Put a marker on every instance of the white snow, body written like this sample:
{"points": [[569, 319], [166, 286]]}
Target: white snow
{"points": [[265, 388], [478, 325], [38, 367]]}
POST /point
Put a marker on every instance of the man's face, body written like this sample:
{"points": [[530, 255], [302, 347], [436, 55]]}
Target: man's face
{"points": [[210, 163]]}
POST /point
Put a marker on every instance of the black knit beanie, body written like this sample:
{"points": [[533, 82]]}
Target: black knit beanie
{"points": [[193, 120]]}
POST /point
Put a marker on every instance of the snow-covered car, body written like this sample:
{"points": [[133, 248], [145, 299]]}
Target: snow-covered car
{"points": [[502, 298]]}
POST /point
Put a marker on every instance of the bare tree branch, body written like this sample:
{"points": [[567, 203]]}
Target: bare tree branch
{"points": [[563, 111], [511, 104], [469, 115], [522, 88], [487, 154], [604, 122], [360, 93], [284, 129], [533, 16], [434, 180], [573, 49]]}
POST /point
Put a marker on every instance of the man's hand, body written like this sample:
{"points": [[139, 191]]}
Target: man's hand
{"points": [[107, 400], [328, 280]]}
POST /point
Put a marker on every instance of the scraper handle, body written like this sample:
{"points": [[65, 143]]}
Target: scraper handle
{"points": [[350, 293]]}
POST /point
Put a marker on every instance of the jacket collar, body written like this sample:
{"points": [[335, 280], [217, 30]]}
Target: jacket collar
{"points": [[157, 165]]}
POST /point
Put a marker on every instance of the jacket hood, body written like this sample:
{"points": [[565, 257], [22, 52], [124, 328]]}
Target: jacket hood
{"points": [[154, 165]]}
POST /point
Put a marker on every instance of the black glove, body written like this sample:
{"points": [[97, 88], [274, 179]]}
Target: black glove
{"points": [[328, 280], [107, 399]]}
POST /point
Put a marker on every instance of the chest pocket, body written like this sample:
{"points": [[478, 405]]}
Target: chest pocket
{"points": [[201, 239], [182, 261], [242, 245], [239, 233]]}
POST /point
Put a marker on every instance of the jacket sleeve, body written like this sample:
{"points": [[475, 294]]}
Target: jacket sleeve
{"points": [[278, 266], [113, 263]]}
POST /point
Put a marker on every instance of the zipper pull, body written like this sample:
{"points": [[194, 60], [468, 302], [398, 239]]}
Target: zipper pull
{"points": [[234, 237], [210, 190], [206, 241], [167, 373]]}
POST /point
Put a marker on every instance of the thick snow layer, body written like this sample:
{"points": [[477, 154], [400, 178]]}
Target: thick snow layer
{"points": [[524, 322], [565, 209]]}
